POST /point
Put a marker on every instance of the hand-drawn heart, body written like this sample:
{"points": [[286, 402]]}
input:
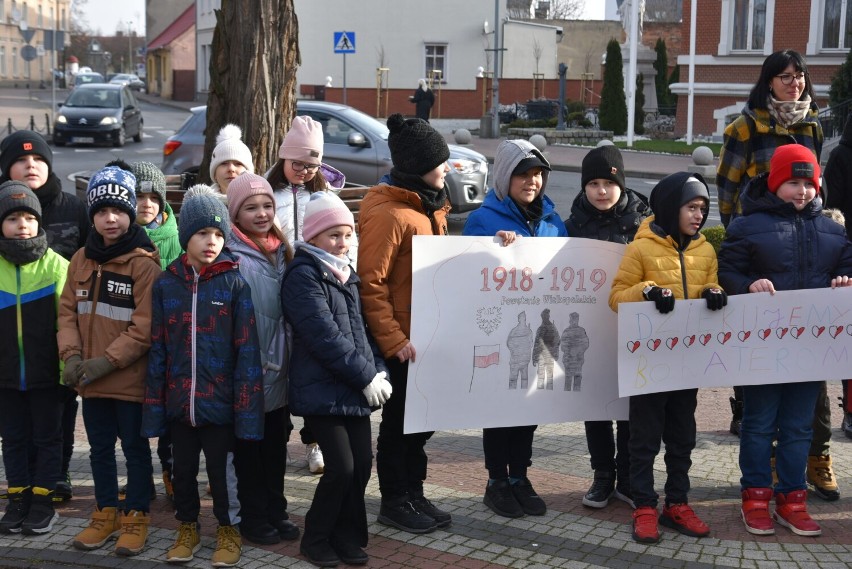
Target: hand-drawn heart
{"points": [[797, 331], [817, 331], [671, 342], [653, 344], [780, 332], [723, 337], [764, 333], [849, 329], [835, 331], [633, 346], [688, 340], [704, 338], [743, 335]]}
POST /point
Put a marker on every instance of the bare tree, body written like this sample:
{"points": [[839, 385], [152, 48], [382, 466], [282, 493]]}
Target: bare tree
{"points": [[255, 54], [381, 56], [537, 50], [566, 9]]}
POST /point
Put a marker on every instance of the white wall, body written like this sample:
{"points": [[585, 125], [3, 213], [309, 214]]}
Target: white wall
{"points": [[520, 41]]}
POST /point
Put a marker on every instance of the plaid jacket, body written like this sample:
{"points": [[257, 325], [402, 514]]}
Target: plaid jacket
{"points": [[750, 140]]}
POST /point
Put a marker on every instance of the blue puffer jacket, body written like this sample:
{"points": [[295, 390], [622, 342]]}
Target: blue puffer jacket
{"points": [[503, 215], [334, 356], [204, 365], [793, 249]]}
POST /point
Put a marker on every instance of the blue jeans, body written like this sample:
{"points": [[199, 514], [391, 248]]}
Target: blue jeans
{"points": [[106, 421], [777, 411]]}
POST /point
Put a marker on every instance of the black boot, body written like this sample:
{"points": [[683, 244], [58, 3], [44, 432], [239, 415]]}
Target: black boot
{"points": [[737, 416], [401, 514], [41, 516], [16, 510], [601, 490]]}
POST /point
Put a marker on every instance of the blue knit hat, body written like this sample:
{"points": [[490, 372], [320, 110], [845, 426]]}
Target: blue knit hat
{"points": [[202, 208], [112, 187]]}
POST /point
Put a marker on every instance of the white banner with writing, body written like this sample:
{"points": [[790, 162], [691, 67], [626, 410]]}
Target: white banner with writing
{"points": [[801, 335], [508, 336]]}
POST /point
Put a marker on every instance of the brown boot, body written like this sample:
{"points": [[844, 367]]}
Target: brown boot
{"points": [[755, 511], [103, 526], [134, 533]]}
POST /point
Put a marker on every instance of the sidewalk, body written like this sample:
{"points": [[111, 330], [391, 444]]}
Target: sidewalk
{"points": [[568, 536]]}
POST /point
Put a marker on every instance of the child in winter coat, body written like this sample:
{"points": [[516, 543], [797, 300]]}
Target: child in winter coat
{"points": [[608, 210], [298, 174], [104, 336], [337, 378], [263, 253], [204, 375], [26, 156], [231, 157], [31, 277], [668, 259], [154, 213], [781, 242], [515, 207]]}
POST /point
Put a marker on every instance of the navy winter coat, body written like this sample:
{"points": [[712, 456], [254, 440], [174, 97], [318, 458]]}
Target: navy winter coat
{"points": [[793, 249], [334, 356], [204, 365]]}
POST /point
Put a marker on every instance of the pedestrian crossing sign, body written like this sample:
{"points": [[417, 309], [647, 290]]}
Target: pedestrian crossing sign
{"points": [[344, 42]]}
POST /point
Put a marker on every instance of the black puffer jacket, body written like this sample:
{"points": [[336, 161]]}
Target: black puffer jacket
{"points": [[334, 357], [771, 240], [616, 225], [63, 216]]}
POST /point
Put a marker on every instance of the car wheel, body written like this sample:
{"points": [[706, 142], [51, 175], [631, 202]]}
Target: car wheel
{"points": [[138, 137], [121, 138]]}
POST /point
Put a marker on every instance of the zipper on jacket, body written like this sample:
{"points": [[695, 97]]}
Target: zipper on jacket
{"points": [[192, 347], [800, 250], [94, 301], [295, 190], [683, 274], [23, 380]]}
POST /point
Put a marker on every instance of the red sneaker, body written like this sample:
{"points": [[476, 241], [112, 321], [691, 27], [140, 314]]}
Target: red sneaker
{"points": [[791, 510], [680, 517], [645, 525], [755, 511]]}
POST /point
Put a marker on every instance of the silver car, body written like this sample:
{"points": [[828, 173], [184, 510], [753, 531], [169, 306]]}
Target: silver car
{"points": [[355, 143]]}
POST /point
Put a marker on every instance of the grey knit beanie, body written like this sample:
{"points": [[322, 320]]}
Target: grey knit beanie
{"points": [[150, 179], [17, 196], [201, 208]]}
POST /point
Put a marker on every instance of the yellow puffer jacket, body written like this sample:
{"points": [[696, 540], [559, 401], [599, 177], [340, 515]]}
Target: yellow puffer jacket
{"points": [[654, 260]]}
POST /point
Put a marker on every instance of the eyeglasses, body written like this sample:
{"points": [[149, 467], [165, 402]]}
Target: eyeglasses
{"points": [[299, 166], [787, 78]]}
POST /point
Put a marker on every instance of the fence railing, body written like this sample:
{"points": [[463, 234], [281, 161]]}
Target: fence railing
{"points": [[10, 128], [833, 119]]}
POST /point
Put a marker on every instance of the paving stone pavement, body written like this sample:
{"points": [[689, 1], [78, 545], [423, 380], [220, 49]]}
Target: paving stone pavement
{"points": [[568, 536]]}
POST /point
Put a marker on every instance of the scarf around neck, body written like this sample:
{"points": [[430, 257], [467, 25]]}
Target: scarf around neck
{"points": [[270, 243], [136, 237], [788, 113], [432, 199], [338, 266], [24, 251]]}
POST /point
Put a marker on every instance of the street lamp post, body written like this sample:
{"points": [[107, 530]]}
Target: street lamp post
{"points": [[129, 49]]}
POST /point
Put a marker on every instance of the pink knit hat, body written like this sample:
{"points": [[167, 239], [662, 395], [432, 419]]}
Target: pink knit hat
{"points": [[242, 188], [303, 141], [324, 211]]}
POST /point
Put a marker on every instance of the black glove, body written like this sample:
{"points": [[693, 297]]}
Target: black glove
{"points": [[663, 298], [716, 298]]}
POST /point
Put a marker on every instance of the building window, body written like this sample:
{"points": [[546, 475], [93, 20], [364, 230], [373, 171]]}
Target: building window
{"points": [[25, 14], [40, 23], [2, 11], [436, 61], [749, 25], [14, 62], [837, 17], [2, 61]]}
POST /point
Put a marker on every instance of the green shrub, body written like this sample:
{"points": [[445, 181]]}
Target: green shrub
{"points": [[715, 235]]}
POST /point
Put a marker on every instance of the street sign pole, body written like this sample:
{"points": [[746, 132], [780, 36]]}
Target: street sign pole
{"points": [[344, 42], [344, 78]]}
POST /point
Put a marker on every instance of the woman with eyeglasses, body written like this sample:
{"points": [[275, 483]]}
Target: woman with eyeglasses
{"points": [[781, 110]]}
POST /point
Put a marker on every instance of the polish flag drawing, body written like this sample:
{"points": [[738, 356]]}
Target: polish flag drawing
{"points": [[486, 356]]}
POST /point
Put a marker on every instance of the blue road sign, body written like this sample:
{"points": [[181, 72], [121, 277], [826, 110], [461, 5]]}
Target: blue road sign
{"points": [[344, 42]]}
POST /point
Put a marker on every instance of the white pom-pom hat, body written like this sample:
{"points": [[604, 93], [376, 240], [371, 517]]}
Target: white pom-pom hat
{"points": [[229, 146]]}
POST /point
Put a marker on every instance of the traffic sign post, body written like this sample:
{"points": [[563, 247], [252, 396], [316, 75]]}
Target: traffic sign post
{"points": [[344, 42]]}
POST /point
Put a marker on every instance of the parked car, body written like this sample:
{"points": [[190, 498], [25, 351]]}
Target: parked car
{"points": [[129, 80], [98, 113], [85, 78], [355, 143]]}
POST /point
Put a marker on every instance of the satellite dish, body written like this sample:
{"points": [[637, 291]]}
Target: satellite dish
{"points": [[485, 27]]}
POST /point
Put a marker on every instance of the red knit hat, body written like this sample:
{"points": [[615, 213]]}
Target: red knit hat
{"points": [[792, 161]]}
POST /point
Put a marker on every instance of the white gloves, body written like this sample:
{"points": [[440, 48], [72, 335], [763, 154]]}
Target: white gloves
{"points": [[379, 390]]}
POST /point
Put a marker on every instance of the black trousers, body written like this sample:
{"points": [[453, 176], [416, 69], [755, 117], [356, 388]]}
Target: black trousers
{"points": [[338, 513], [401, 460], [609, 453], [260, 467], [670, 417], [32, 436], [69, 424], [217, 443], [508, 451]]}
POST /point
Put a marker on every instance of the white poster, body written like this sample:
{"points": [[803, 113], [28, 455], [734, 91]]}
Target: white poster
{"points": [[802, 335], [517, 335]]}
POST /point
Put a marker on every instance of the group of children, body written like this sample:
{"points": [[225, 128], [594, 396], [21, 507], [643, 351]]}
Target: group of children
{"points": [[210, 332]]}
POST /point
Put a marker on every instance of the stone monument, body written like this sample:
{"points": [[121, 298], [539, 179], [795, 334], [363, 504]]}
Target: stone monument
{"points": [[645, 56]]}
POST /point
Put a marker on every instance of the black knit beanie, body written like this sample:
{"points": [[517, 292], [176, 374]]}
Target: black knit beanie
{"points": [[21, 143], [416, 147], [603, 162]]}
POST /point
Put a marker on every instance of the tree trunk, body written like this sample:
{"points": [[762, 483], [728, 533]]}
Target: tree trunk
{"points": [[255, 54]]}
